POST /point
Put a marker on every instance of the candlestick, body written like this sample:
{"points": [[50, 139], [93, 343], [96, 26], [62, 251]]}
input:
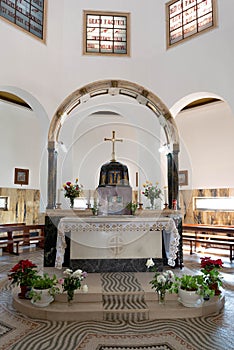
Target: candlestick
{"points": [[136, 179]]}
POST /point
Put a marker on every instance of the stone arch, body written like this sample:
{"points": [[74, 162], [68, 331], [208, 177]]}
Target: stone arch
{"points": [[114, 87]]}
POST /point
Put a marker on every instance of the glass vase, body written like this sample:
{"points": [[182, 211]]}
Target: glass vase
{"points": [[151, 203], [70, 296], [161, 297], [71, 202]]}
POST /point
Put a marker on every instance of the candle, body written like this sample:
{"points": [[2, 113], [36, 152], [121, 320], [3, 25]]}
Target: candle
{"points": [[136, 179], [59, 196], [139, 196], [165, 194], [89, 196], [85, 288]]}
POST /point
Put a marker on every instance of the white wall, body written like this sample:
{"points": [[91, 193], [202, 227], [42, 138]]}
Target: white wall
{"points": [[50, 72], [207, 142], [19, 145]]}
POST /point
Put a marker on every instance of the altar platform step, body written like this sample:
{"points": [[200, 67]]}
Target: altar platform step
{"points": [[106, 301]]}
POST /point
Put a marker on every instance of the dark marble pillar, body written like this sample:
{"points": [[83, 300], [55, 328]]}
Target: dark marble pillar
{"points": [[172, 171], [52, 175]]}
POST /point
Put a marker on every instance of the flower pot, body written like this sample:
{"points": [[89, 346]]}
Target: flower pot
{"points": [[24, 292], [44, 297], [190, 298], [214, 286]]}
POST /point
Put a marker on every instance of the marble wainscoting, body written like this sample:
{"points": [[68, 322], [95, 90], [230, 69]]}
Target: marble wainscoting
{"points": [[217, 217]]}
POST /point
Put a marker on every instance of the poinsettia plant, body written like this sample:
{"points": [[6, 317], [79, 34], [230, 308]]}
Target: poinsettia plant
{"points": [[211, 269], [23, 273]]}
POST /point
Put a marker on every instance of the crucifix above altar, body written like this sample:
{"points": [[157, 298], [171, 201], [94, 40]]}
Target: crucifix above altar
{"points": [[114, 190], [113, 140]]}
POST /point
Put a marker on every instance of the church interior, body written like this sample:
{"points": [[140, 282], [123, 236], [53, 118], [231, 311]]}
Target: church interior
{"points": [[100, 104]]}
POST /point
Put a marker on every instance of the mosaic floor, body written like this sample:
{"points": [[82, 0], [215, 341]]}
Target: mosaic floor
{"points": [[18, 332]]}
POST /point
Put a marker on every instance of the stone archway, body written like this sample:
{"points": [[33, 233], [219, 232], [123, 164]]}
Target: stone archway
{"points": [[114, 87]]}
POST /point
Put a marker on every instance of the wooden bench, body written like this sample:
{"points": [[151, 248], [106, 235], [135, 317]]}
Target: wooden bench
{"points": [[209, 235], [16, 234]]}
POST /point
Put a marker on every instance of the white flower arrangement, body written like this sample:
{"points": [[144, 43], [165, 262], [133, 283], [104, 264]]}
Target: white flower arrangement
{"points": [[162, 281]]}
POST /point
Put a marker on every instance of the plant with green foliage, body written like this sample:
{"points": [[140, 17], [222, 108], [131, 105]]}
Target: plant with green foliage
{"points": [[192, 283], [43, 282]]}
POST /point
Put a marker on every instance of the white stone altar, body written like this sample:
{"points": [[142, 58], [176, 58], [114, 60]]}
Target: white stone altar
{"points": [[123, 241]]}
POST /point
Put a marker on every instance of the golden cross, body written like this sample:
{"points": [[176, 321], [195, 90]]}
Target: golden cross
{"points": [[113, 140]]}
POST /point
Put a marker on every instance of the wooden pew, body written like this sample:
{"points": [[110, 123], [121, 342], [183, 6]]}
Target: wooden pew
{"points": [[209, 235], [16, 234]]}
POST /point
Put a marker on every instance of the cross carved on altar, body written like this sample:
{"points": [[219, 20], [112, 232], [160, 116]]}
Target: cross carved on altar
{"points": [[113, 140]]}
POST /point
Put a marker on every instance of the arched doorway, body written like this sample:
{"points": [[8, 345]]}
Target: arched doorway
{"points": [[114, 87]]}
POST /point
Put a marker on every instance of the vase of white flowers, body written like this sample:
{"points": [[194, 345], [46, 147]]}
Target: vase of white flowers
{"points": [[152, 193], [161, 282], [72, 281]]}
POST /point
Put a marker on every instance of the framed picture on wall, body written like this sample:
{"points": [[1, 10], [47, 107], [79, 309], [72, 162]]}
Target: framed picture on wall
{"points": [[183, 177], [21, 176]]}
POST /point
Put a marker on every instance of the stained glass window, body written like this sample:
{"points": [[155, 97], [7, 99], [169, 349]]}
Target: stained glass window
{"points": [[29, 15], [106, 33], [189, 17]]}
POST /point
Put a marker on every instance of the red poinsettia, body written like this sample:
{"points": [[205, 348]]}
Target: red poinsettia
{"points": [[23, 273], [210, 268], [209, 264]]}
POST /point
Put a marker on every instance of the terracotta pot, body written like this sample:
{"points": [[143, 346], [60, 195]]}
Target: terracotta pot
{"points": [[215, 287], [24, 292]]}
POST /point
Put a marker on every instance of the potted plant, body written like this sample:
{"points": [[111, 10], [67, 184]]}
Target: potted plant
{"points": [[211, 270], [133, 207], [23, 274], [191, 289], [95, 208], [43, 290]]}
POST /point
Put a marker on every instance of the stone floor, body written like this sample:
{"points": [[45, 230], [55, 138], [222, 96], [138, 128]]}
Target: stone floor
{"points": [[19, 332]]}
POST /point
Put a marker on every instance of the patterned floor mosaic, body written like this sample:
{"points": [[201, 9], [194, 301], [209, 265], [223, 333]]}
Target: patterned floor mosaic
{"points": [[18, 332]]}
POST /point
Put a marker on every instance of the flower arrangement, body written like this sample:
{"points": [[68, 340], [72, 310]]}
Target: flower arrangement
{"points": [[151, 192], [23, 273], [72, 191], [162, 281], [211, 270], [72, 281]]}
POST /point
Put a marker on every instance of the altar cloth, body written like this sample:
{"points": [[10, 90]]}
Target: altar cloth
{"points": [[115, 234]]}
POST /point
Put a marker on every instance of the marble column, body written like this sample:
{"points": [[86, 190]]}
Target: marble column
{"points": [[172, 169], [52, 175]]}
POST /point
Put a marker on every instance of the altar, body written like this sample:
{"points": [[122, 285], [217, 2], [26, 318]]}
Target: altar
{"points": [[116, 243]]}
